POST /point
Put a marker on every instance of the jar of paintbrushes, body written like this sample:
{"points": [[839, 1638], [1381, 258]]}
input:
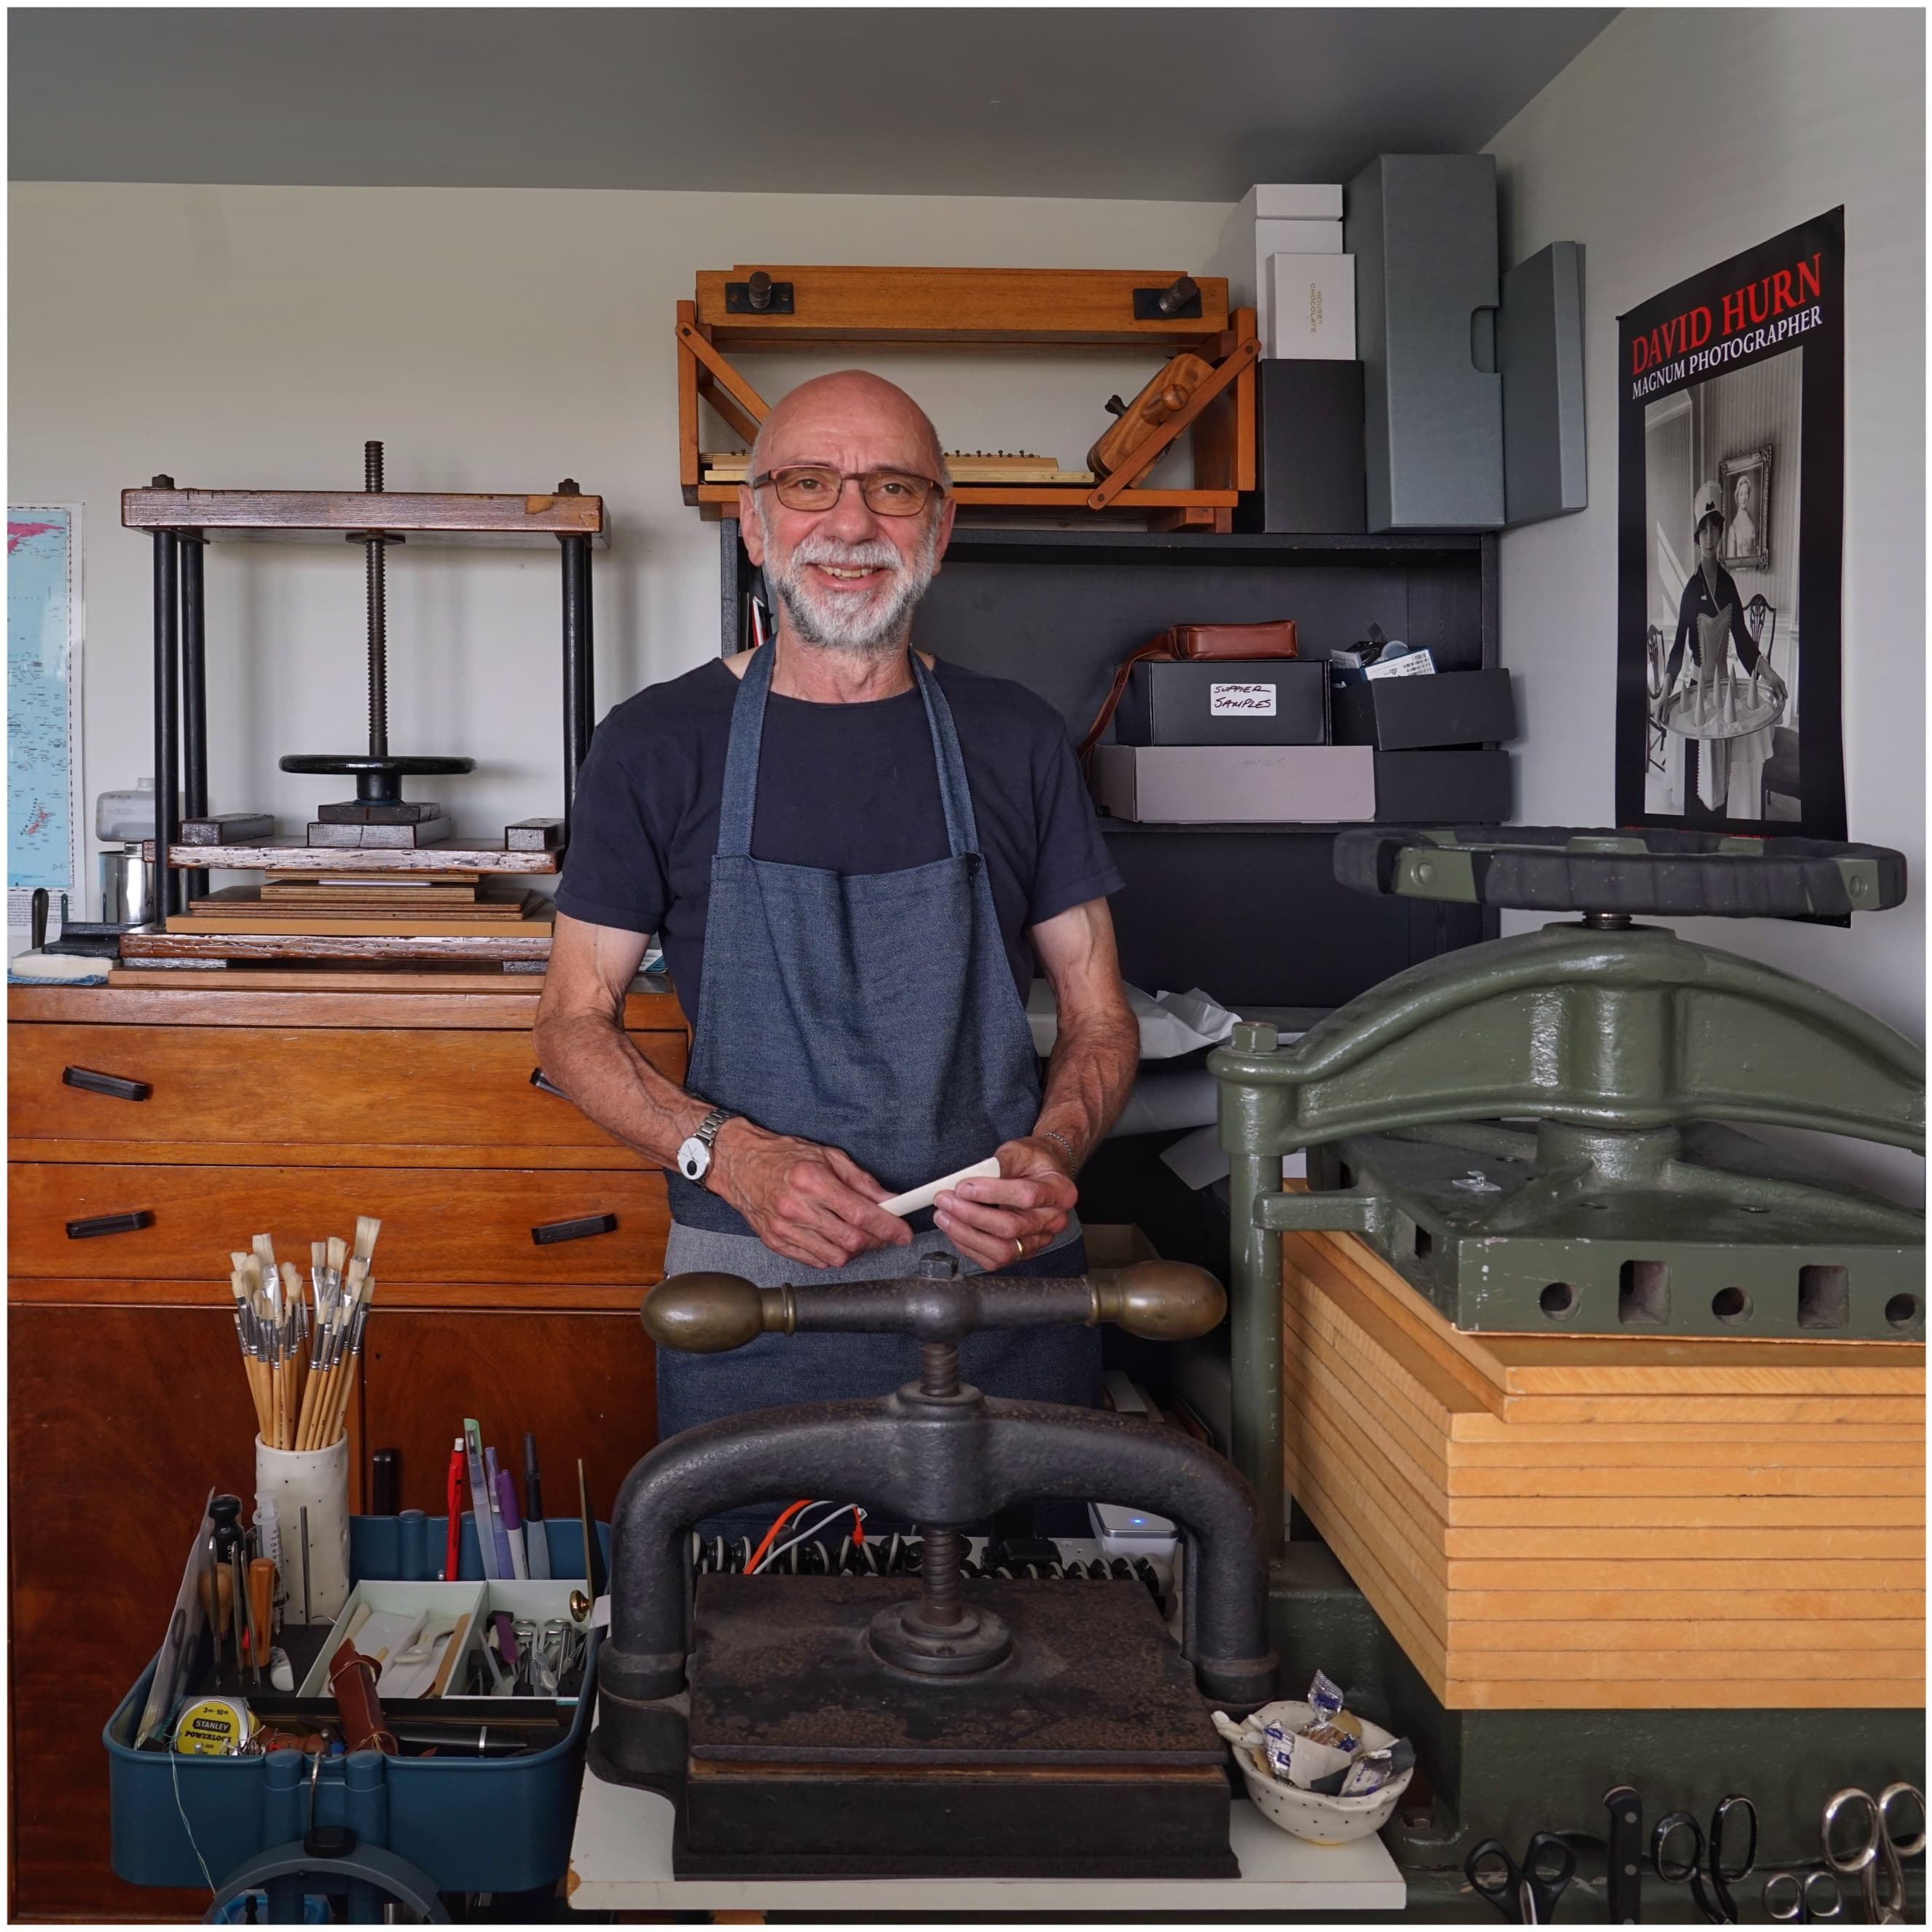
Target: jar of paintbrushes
{"points": [[302, 1353]]}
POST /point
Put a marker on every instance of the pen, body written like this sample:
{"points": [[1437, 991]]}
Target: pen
{"points": [[499, 1532], [479, 1499], [452, 1560], [536, 1535], [513, 1527]]}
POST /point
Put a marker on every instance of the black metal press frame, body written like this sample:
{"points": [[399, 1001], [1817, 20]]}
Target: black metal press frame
{"points": [[181, 687]]}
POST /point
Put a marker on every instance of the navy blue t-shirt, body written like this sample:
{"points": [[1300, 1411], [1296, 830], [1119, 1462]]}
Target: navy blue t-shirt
{"points": [[841, 788]]}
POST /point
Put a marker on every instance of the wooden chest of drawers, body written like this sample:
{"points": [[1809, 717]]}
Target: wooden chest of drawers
{"points": [[223, 1114]]}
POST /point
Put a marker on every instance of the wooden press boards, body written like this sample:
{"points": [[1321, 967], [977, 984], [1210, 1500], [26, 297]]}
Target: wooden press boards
{"points": [[1601, 1521]]}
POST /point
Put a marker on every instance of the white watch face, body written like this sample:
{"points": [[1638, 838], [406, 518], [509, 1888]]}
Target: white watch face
{"points": [[694, 1160]]}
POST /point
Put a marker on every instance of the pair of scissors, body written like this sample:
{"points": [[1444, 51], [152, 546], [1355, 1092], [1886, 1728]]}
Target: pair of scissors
{"points": [[1524, 1893], [1884, 1906], [1707, 1858], [1802, 1898]]}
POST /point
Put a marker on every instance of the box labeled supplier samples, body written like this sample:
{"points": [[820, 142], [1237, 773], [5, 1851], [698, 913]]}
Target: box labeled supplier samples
{"points": [[1236, 784], [1224, 701]]}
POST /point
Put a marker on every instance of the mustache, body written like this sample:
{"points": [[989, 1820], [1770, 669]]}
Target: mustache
{"points": [[878, 555]]}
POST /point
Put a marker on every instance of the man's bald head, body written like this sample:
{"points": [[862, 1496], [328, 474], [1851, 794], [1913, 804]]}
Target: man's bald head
{"points": [[825, 419]]}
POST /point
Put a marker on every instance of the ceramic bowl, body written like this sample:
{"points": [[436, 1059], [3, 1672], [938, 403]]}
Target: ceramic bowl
{"points": [[1311, 1815]]}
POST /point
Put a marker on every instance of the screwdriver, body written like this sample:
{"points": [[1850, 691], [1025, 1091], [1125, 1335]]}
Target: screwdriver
{"points": [[261, 1602]]}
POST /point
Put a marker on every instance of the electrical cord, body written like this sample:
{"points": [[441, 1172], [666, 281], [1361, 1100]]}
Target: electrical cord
{"points": [[804, 1535], [784, 1516], [174, 1768]]}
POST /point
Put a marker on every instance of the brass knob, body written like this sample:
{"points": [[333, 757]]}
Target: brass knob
{"points": [[703, 1314], [1165, 1301]]}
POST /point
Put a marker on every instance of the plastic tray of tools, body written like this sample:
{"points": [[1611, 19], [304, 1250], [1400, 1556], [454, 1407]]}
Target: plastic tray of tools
{"points": [[470, 1824]]}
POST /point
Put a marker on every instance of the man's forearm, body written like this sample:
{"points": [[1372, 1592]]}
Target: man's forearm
{"points": [[596, 1062], [1088, 1080]]}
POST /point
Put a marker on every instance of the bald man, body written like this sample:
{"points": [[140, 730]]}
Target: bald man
{"points": [[851, 853]]}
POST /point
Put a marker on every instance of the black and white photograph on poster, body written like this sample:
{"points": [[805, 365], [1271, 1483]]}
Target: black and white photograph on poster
{"points": [[1731, 466]]}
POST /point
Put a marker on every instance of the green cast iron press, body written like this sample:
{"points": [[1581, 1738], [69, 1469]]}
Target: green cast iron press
{"points": [[1529, 1130]]}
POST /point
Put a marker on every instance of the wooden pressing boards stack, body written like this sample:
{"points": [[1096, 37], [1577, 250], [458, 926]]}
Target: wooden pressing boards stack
{"points": [[1595, 1522], [403, 907]]}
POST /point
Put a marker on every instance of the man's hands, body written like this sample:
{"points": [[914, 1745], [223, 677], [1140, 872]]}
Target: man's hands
{"points": [[810, 1203], [817, 1205], [1028, 1204]]}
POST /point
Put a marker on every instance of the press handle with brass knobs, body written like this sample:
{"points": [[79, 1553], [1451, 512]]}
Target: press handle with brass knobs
{"points": [[705, 1314]]}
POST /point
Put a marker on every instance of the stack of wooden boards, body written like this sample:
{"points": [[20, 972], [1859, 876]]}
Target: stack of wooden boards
{"points": [[1597, 1522], [448, 905], [400, 907]]}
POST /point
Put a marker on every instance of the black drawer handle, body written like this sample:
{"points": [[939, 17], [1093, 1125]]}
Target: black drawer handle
{"points": [[110, 1224], [540, 1080], [114, 1085], [574, 1231]]}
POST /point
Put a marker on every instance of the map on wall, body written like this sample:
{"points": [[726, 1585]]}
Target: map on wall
{"points": [[44, 820]]}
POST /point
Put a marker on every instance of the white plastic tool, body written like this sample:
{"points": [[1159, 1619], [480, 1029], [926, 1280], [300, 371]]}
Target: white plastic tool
{"points": [[988, 1169]]}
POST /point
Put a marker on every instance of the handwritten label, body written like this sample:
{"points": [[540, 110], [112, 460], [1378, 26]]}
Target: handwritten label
{"points": [[1241, 700]]}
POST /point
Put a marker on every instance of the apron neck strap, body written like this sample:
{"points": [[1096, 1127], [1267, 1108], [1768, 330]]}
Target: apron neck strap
{"points": [[738, 806], [962, 834], [739, 800]]}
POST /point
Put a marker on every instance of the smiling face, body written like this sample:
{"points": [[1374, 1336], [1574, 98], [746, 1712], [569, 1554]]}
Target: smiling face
{"points": [[847, 577]]}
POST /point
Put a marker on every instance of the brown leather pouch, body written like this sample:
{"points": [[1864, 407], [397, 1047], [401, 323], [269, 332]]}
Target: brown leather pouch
{"points": [[352, 1679], [1195, 642]]}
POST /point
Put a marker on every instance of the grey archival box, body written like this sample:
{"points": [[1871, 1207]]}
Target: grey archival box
{"points": [[1423, 230], [1540, 346], [1231, 784]]}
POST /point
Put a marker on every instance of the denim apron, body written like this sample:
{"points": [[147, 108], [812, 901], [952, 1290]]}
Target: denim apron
{"points": [[874, 1012]]}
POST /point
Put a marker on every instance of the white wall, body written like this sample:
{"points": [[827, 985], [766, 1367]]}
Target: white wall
{"points": [[1676, 138], [496, 340]]}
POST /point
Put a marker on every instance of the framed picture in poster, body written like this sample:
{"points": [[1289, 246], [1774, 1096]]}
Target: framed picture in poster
{"points": [[1743, 488]]}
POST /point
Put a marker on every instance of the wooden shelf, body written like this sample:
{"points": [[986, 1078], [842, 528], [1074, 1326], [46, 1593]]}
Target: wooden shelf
{"points": [[863, 308], [337, 516]]}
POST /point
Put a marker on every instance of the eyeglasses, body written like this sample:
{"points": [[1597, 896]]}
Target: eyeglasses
{"points": [[889, 493]]}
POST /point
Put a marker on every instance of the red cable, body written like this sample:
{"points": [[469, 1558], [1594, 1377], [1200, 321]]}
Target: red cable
{"points": [[785, 1516]]}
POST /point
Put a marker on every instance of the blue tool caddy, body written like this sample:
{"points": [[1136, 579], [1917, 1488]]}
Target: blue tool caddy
{"points": [[466, 1825]]}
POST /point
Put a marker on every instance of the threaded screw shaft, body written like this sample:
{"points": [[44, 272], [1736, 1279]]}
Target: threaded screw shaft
{"points": [[378, 615]]}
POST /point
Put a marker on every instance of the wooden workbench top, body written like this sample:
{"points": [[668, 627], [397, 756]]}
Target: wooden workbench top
{"points": [[338, 1000]]}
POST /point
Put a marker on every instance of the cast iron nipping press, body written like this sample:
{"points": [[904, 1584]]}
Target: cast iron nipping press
{"points": [[814, 1725]]}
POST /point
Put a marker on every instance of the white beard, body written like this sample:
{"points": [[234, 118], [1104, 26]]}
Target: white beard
{"points": [[870, 627]]}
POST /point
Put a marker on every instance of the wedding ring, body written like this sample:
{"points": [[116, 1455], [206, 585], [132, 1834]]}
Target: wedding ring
{"points": [[1019, 1248]]}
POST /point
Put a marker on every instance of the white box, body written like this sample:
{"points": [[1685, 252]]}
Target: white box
{"points": [[1293, 201], [1247, 242], [1311, 310], [1297, 238], [1236, 785]]}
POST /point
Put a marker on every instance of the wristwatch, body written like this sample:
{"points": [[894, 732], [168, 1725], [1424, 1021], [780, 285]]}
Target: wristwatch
{"points": [[693, 1157]]}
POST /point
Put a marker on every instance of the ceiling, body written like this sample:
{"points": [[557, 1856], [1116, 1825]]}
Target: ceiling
{"points": [[1160, 103]]}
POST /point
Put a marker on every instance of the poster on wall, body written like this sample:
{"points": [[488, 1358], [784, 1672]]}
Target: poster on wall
{"points": [[1730, 533]]}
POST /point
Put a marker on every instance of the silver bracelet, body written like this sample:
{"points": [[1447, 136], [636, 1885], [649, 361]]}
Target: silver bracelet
{"points": [[1048, 1134]]}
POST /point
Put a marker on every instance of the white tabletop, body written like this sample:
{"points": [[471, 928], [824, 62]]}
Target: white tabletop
{"points": [[620, 1861]]}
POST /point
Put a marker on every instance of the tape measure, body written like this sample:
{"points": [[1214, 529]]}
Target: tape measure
{"points": [[215, 1727]]}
